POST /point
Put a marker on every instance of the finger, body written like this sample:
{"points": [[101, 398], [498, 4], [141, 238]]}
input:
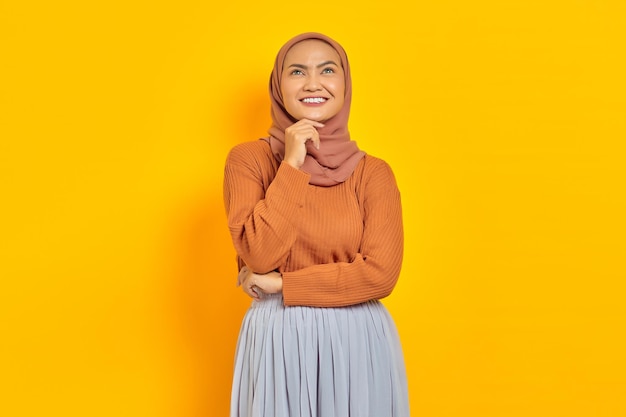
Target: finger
{"points": [[249, 290], [308, 133], [316, 140], [311, 122], [253, 288], [242, 274]]}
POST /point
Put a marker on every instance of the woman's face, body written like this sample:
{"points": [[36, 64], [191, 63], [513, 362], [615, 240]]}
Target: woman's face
{"points": [[313, 84]]}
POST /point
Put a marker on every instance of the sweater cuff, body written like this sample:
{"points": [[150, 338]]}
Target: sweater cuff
{"points": [[300, 289]]}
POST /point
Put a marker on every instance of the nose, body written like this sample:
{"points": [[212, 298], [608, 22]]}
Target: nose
{"points": [[312, 83]]}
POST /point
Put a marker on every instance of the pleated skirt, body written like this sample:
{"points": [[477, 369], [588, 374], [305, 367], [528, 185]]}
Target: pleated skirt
{"points": [[318, 362]]}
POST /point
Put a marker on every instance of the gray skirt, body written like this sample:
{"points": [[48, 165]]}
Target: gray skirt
{"points": [[318, 362]]}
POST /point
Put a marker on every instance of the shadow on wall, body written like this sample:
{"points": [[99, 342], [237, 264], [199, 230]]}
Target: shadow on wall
{"points": [[249, 118], [210, 307]]}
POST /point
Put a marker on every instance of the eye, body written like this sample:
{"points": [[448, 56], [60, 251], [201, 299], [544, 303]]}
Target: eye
{"points": [[296, 72], [328, 70]]}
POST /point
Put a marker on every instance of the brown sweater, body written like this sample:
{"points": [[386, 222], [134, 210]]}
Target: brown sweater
{"points": [[335, 246]]}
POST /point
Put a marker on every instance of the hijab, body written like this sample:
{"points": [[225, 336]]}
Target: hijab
{"points": [[338, 156]]}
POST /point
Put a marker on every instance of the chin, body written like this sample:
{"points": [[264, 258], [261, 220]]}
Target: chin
{"points": [[316, 118]]}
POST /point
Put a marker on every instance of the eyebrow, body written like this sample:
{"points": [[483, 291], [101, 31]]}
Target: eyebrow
{"points": [[318, 65]]}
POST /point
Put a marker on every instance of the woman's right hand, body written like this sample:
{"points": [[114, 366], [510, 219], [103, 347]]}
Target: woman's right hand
{"points": [[251, 283], [296, 137]]}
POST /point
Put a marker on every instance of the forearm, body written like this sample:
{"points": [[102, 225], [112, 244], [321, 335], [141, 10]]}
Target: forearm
{"points": [[263, 231]]}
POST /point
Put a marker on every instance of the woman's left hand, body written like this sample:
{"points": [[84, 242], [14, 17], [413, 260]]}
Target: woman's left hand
{"points": [[252, 284]]}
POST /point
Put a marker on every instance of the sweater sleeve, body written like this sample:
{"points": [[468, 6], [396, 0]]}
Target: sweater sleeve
{"points": [[260, 222], [374, 271]]}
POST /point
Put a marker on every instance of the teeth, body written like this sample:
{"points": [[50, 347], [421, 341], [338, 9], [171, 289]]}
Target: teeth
{"points": [[314, 100]]}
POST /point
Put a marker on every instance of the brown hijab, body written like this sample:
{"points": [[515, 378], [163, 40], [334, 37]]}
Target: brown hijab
{"points": [[338, 156]]}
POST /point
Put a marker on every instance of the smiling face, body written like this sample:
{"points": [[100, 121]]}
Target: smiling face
{"points": [[313, 83]]}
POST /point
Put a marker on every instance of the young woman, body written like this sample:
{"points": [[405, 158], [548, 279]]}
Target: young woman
{"points": [[317, 226]]}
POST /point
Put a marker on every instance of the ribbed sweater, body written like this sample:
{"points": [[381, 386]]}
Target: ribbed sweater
{"points": [[334, 246]]}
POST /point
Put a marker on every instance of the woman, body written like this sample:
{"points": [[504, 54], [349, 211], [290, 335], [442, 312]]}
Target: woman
{"points": [[317, 226]]}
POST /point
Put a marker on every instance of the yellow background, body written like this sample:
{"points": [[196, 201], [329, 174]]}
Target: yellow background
{"points": [[504, 122]]}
